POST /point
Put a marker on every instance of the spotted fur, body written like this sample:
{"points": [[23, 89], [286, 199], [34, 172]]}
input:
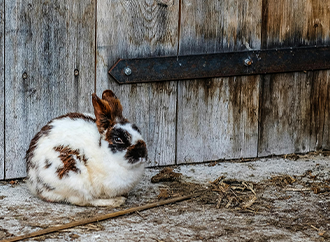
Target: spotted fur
{"points": [[69, 157], [85, 159]]}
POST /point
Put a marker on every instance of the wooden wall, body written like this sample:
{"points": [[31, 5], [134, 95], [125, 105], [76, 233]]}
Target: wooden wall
{"points": [[182, 122]]}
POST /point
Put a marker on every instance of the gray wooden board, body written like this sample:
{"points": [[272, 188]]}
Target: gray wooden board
{"points": [[284, 114], [218, 118], [293, 115], [128, 29], [2, 91], [47, 40], [293, 106]]}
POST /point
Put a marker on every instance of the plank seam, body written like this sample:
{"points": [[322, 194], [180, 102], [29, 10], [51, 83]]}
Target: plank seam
{"points": [[264, 21], [95, 45], [264, 14], [177, 88], [176, 124], [4, 91]]}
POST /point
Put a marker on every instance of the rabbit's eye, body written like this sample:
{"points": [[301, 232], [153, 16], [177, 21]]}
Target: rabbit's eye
{"points": [[118, 140]]}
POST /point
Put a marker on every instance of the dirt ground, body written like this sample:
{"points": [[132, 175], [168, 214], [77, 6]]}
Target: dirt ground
{"points": [[271, 199]]}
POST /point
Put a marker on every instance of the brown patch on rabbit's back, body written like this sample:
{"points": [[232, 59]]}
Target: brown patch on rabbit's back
{"points": [[75, 116], [69, 157], [45, 131], [30, 152]]}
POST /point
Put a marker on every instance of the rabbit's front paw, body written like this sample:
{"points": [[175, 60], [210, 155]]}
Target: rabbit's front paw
{"points": [[111, 202]]}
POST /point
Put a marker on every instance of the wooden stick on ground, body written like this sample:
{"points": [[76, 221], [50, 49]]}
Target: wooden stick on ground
{"points": [[297, 189], [99, 218]]}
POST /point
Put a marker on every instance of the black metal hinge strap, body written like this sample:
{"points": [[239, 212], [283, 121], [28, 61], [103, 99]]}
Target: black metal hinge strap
{"points": [[221, 65]]}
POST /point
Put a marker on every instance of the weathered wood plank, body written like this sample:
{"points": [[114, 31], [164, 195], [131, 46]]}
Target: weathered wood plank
{"points": [[2, 91], [319, 114], [295, 23], [218, 118], [127, 29], [47, 40], [284, 114], [292, 106]]}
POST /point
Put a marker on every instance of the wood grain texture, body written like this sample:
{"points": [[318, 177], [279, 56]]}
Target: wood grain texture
{"points": [[127, 29], [47, 40], [2, 91], [293, 105], [285, 114], [218, 118], [216, 26], [295, 23], [319, 101]]}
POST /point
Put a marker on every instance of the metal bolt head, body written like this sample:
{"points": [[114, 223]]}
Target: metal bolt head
{"points": [[24, 76], [248, 62], [127, 71], [76, 72]]}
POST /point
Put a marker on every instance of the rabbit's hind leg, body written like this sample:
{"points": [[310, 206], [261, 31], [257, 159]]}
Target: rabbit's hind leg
{"points": [[110, 202]]}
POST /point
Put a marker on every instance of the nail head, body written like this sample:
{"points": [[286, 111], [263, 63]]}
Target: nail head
{"points": [[248, 62], [24, 76], [127, 71], [76, 72]]}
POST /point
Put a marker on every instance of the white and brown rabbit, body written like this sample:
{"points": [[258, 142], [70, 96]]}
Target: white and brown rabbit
{"points": [[86, 160]]}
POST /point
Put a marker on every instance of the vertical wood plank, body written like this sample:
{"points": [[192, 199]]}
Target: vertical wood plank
{"points": [[218, 118], [2, 91], [284, 114], [292, 105], [147, 28], [319, 100], [47, 40]]}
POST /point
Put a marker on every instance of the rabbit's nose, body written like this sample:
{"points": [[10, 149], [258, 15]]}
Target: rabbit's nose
{"points": [[137, 152]]}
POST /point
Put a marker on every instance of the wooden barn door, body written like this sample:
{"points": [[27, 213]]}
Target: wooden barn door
{"points": [[185, 121], [218, 118], [51, 53], [45, 41]]}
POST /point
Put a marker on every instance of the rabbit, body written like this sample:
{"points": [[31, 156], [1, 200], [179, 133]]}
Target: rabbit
{"points": [[87, 160]]}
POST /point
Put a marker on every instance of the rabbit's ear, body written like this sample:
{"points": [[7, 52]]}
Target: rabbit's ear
{"points": [[103, 113], [114, 103]]}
